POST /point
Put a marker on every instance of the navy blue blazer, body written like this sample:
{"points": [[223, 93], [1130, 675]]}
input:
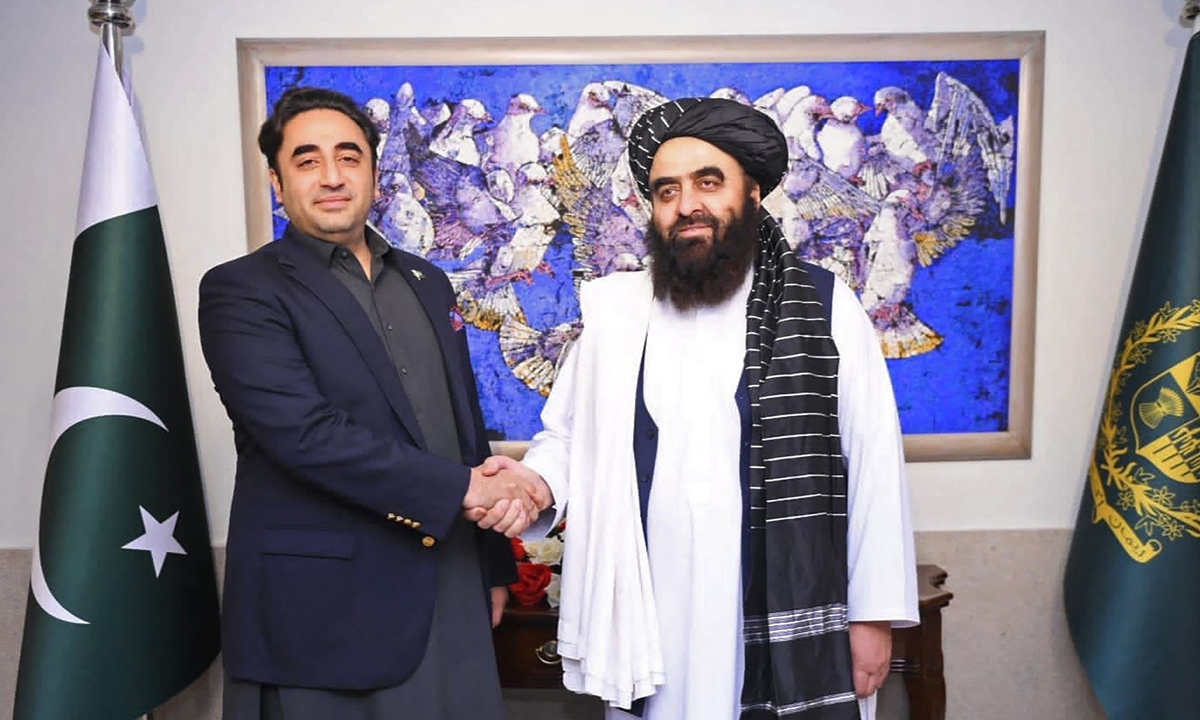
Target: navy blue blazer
{"points": [[331, 559]]}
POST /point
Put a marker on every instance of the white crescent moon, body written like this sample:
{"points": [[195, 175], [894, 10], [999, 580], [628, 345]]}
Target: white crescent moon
{"points": [[72, 406]]}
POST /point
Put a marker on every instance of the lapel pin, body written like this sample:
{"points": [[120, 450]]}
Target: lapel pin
{"points": [[418, 274]]}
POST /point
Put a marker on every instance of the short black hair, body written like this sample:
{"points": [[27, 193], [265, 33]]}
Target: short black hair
{"points": [[302, 99]]}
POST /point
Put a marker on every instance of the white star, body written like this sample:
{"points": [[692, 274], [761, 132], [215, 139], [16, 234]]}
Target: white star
{"points": [[158, 540]]}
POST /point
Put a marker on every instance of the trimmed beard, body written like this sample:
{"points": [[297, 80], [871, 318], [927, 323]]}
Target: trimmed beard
{"points": [[693, 274]]}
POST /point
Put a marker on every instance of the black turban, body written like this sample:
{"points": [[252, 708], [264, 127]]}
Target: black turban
{"points": [[752, 138]]}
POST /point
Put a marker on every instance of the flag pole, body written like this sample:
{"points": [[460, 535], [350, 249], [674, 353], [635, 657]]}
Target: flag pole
{"points": [[1191, 15], [112, 17]]}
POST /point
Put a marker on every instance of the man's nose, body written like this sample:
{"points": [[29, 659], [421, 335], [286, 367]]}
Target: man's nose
{"points": [[331, 174], [689, 202]]}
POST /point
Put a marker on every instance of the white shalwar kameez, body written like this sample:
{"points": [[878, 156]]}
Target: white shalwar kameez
{"points": [[693, 364]]}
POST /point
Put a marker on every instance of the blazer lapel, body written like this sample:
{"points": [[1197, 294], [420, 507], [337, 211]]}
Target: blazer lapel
{"points": [[306, 269], [452, 346]]}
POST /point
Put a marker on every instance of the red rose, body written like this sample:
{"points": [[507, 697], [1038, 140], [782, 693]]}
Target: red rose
{"points": [[518, 549], [530, 587]]}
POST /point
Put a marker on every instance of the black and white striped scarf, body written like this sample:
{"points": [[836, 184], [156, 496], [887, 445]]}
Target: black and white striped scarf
{"points": [[797, 642]]}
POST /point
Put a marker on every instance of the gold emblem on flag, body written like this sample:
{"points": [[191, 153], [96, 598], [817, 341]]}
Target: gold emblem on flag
{"points": [[1149, 495]]}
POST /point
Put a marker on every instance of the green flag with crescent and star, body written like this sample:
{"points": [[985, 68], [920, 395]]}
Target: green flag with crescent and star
{"points": [[122, 610], [1132, 586]]}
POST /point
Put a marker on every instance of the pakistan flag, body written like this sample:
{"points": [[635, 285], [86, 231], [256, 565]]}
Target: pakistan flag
{"points": [[122, 611]]}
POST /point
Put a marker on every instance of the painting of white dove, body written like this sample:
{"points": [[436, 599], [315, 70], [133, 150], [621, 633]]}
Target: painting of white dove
{"points": [[515, 180]]}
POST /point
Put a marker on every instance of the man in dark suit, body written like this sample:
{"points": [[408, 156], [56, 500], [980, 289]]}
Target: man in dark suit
{"points": [[354, 586]]}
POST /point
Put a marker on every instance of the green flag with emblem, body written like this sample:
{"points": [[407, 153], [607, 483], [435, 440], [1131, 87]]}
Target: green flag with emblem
{"points": [[1132, 585], [122, 610]]}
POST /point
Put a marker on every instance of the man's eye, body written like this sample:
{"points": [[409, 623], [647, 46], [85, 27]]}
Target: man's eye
{"points": [[350, 159], [306, 162]]}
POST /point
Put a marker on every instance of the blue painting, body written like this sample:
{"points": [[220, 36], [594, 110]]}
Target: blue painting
{"points": [[514, 180]]}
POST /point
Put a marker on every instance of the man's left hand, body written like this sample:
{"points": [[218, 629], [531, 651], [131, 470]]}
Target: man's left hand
{"points": [[499, 600], [871, 650]]}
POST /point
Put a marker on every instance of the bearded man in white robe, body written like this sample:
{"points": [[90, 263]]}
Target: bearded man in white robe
{"points": [[724, 441]]}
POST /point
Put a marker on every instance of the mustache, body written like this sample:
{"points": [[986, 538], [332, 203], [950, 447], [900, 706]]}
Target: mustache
{"points": [[346, 194], [699, 218]]}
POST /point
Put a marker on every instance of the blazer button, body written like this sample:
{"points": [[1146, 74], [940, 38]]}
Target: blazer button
{"points": [[428, 541]]}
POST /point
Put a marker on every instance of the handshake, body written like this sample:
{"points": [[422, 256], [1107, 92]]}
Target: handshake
{"points": [[505, 496]]}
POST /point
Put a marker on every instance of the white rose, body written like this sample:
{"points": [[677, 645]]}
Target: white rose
{"points": [[554, 590], [544, 552]]}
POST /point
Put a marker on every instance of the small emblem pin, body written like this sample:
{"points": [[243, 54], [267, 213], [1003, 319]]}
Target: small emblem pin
{"points": [[418, 274]]}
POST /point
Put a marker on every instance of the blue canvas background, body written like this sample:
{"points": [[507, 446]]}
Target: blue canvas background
{"points": [[966, 295]]}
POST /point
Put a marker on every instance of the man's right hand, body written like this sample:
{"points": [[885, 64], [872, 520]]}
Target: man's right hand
{"points": [[534, 484], [511, 513], [490, 485]]}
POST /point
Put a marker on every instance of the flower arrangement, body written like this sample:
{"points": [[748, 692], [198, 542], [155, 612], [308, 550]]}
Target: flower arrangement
{"points": [[539, 569]]}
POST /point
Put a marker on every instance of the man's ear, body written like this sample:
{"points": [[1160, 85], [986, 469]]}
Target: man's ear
{"points": [[377, 193], [755, 192], [276, 185]]}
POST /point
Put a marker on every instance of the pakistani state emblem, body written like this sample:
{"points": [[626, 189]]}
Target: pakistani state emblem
{"points": [[1145, 471]]}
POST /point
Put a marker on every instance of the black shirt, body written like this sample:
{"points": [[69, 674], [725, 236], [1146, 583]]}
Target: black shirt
{"points": [[405, 329]]}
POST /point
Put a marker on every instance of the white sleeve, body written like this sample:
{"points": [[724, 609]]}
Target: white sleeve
{"points": [[882, 564], [549, 453]]}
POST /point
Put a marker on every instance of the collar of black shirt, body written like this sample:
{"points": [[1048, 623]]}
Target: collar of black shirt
{"points": [[324, 250]]}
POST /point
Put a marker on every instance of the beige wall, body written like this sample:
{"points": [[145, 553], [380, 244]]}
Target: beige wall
{"points": [[1111, 70]]}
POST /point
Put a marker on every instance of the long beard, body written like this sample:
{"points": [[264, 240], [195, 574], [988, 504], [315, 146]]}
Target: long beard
{"points": [[694, 274]]}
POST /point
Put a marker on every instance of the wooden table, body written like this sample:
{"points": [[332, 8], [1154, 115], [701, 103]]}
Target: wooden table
{"points": [[526, 649]]}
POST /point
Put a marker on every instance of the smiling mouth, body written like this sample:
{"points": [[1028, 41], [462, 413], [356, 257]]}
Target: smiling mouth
{"points": [[691, 231], [333, 201]]}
